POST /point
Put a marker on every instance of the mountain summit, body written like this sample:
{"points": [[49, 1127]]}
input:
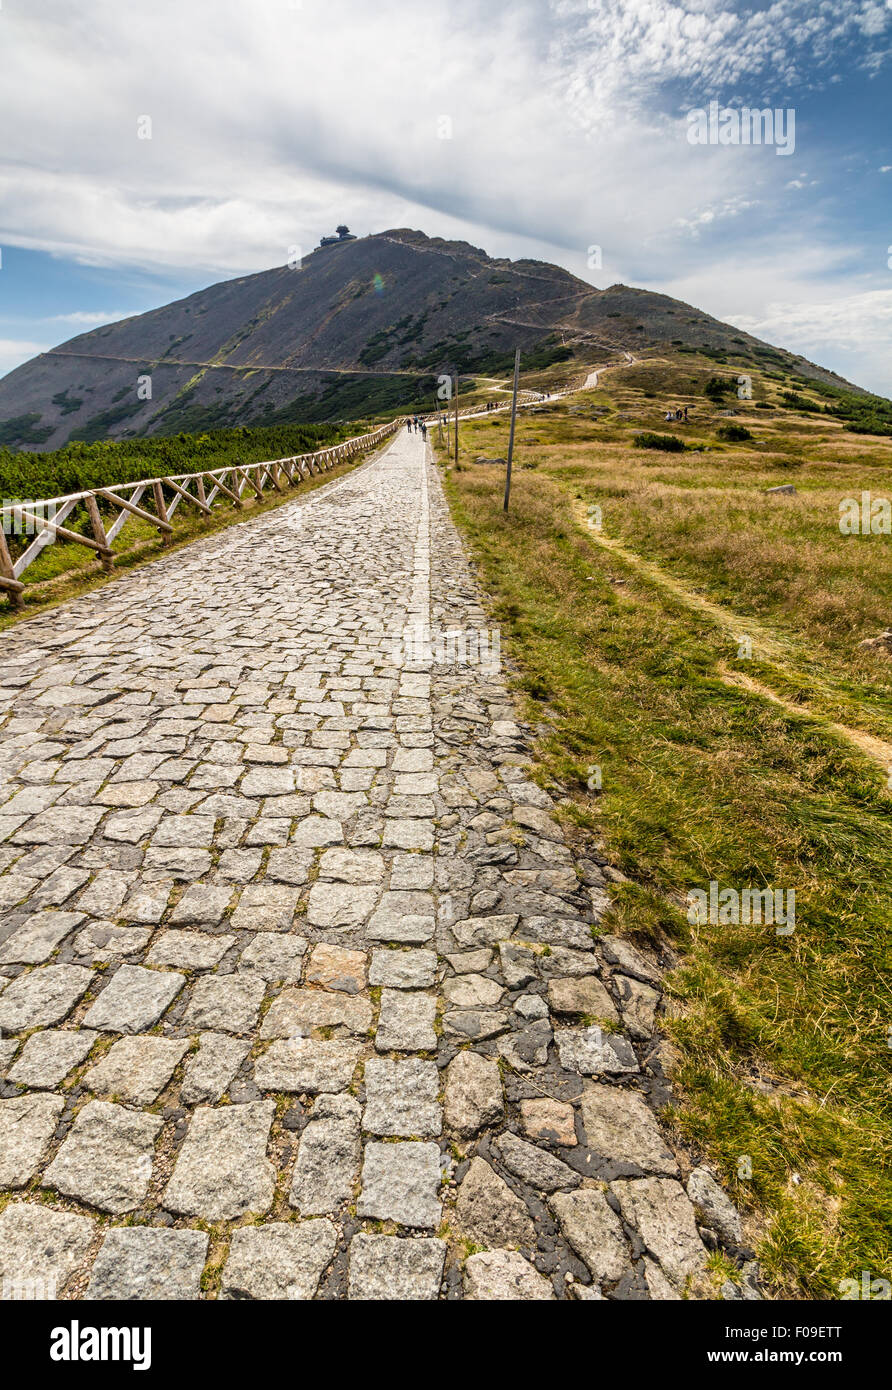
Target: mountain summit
{"points": [[361, 325]]}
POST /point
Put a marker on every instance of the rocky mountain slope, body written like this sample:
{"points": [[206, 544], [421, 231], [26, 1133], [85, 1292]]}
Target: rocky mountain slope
{"points": [[362, 325]]}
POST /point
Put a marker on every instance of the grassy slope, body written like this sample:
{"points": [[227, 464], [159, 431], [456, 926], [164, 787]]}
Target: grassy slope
{"points": [[781, 1049]]}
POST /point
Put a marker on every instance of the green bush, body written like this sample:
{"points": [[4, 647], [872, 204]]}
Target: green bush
{"points": [[717, 388], [734, 434], [669, 443]]}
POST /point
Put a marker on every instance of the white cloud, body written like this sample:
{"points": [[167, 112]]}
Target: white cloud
{"points": [[15, 351], [271, 124], [88, 318]]}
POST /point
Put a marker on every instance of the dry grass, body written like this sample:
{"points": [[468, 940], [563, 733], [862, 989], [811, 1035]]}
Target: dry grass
{"points": [[781, 1041]]}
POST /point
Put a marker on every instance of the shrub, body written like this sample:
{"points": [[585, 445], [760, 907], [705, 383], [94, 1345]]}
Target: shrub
{"points": [[734, 434], [669, 443], [717, 388]]}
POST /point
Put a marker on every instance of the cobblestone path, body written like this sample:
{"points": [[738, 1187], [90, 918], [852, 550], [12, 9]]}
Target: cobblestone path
{"points": [[298, 992]]}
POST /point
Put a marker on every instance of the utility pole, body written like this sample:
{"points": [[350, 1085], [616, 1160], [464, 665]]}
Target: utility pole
{"points": [[511, 435], [455, 397]]}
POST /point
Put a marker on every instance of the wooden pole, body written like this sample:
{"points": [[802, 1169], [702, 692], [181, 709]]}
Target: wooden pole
{"points": [[455, 398], [8, 581], [511, 435], [99, 531]]}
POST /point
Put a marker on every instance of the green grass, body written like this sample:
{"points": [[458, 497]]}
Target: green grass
{"points": [[780, 1043]]}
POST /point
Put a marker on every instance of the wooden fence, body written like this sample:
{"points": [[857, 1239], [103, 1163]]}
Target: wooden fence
{"points": [[108, 509]]}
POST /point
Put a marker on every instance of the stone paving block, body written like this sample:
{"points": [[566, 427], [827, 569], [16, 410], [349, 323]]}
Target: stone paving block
{"points": [[147, 902], [406, 1022], [307, 1065], [595, 1232], [410, 872], [100, 942], [283, 1260], [409, 834], [227, 1002], [27, 1124], [316, 832], [473, 1093], [181, 864], [48, 1056], [337, 906], [42, 997], [489, 1212], [269, 830], [620, 1128], [189, 950], [40, 1248], [327, 1157], [148, 1262], [106, 893], [132, 827], [591, 1052], [504, 1275], [297, 1013], [210, 1070], [401, 1097], [533, 1165], [335, 967], [581, 995], [265, 907], [268, 781], [549, 1121], [395, 1269], [136, 1070], [275, 957], [352, 866], [400, 1182], [184, 832], [37, 938], [15, 888], [412, 969], [133, 999], [222, 1171], [202, 904], [59, 887], [106, 1159], [403, 917], [290, 865], [472, 991], [662, 1213], [63, 825], [239, 865]]}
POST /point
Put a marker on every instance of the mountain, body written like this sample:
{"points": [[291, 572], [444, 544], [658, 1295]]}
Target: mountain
{"points": [[362, 325]]}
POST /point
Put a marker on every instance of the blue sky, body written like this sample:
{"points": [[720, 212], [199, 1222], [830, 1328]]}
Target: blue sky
{"points": [[274, 120]]}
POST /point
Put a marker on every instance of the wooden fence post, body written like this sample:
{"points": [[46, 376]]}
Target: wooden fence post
{"points": [[8, 581], [161, 510], [99, 532]]}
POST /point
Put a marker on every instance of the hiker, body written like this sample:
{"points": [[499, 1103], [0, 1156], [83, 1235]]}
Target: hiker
{"points": [[668, 415], [686, 415], [409, 426], [423, 430]]}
